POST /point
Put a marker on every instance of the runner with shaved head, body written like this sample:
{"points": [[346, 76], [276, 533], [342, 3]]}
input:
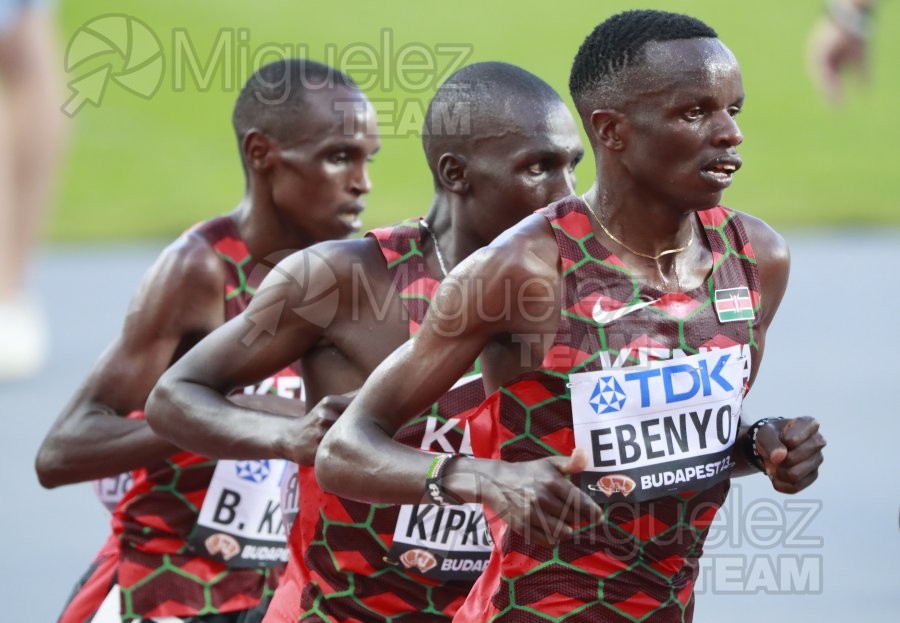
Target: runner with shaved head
{"points": [[306, 179], [500, 144]]}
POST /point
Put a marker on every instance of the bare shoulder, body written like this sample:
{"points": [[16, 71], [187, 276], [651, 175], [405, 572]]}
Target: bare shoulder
{"points": [[191, 257], [774, 261], [179, 300], [522, 253], [769, 246], [188, 276], [497, 289], [323, 267], [345, 256]]}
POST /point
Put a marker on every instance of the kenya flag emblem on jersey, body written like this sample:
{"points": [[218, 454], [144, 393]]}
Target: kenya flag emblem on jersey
{"points": [[734, 304]]}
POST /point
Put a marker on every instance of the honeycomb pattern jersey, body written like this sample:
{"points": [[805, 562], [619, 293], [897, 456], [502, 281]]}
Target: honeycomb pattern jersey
{"points": [[346, 574], [159, 574], [641, 563]]}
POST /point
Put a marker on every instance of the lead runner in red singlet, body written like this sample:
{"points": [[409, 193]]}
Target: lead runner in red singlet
{"points": [[306, 178], [500, 143], [618, 333]]}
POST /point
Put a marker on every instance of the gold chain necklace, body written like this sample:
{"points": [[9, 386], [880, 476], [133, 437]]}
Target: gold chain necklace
{"points": [[655, 258]]}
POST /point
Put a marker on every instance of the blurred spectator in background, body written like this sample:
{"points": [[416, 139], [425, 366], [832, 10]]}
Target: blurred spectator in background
{"points": [[31, 133], [839, 41]]}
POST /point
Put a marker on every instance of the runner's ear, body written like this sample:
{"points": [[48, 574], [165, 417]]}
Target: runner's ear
{"points": [[608, 129], [451, 171], [257, 150]]}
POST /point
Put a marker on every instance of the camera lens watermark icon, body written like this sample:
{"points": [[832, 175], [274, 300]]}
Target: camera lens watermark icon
{"points": [[115, 47], [312, 287]]}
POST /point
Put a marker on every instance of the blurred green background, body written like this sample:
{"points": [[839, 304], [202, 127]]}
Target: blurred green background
{"points": [[149, 167]]}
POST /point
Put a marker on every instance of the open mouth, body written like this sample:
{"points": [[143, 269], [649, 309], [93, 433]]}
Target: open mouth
{"points": [[720, 172], [351, 219]]}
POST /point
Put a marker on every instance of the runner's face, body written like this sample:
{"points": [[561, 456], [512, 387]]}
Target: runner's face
{"points": [[523, 170], [320, 178], [681, 135]]}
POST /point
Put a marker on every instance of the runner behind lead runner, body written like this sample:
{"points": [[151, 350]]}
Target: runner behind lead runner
{"points": [[306, 178], [514, 150]]}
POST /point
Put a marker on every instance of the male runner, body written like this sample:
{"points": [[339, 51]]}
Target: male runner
{"points": [[500, 143], [306, 177], [638, 320]]}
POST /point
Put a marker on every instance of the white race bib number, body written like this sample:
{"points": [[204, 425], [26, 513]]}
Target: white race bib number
{"points": [[443, 542], [655, 430], [240, 523]]}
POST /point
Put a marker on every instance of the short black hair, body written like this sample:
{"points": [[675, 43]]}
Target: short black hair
{"points": [[619, 43], [272, 99], [469, 104]]}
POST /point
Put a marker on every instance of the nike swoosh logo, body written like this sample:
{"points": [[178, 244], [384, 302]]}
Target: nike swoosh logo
{"points": [[603, 316]]}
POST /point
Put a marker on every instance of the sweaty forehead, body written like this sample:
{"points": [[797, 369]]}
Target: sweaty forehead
{"points": [[547, 132], [669, 64], [338, 111], [706, 59], [524, 118]]}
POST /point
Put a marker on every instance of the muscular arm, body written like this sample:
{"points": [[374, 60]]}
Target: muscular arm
{"points": [[774, 262], [189, 405], [360, 460], [92, 438], [774, 265], [791, 448]]}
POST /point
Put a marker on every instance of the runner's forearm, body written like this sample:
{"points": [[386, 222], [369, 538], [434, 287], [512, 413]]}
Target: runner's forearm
{"points": [[216, 427], [103, 444]]}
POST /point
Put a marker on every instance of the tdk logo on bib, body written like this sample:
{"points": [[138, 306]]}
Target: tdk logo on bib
{"points": [[680, 382], [608, 396], [252, 471]]}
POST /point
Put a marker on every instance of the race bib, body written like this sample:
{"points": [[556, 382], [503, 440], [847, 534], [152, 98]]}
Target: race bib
{"points": [[110, 490], [654, 430], [443, 542], [290, 496], [240, 523]]}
